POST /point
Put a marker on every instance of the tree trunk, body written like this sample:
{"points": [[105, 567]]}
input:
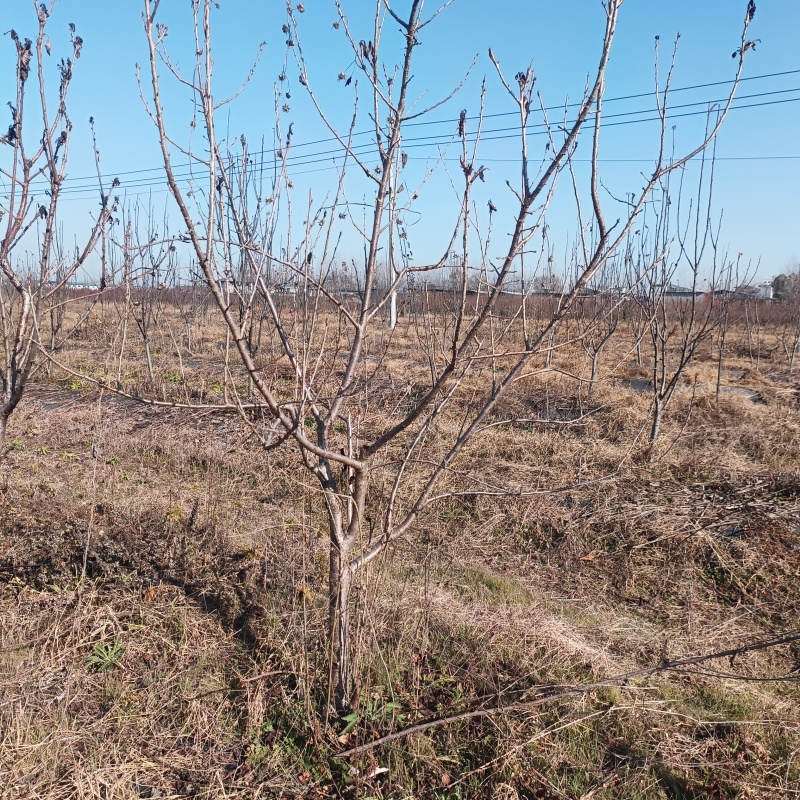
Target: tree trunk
{"points": [[790, 354], [393, 311], [550, 345], [3, 423], [340, 582], [720, 360], [655, 429], [53, 333], [595, 370]]}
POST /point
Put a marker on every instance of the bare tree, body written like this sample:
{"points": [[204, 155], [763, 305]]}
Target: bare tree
{"points": [[600, 313], [33, 163], [786, 287], [723, 325], [789, 334], [681, 241], [753, 328], [380, 458], [149, 265]]}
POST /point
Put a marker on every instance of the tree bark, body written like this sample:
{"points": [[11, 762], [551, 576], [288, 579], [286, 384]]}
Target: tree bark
{"points": [[655, 429], [720, 360], [340, 582], [595, 370]]}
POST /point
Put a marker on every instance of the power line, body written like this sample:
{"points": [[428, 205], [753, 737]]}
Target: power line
{"points": [[631, 96], [453, 121], [422, 142], [85, 194], [432, 141]]}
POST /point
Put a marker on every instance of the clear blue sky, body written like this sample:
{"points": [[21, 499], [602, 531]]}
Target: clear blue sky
{"points": [[759, 150]]}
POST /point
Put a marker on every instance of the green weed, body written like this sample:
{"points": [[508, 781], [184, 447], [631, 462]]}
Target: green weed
{"points": [[106, 657]]}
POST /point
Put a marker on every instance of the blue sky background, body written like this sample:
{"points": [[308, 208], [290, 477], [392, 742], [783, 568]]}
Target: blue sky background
{"points": [[758, 171]]}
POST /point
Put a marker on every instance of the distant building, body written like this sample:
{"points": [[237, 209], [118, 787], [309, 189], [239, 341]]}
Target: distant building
{"points": [[762, 291], [765, 291], [674, 290], [94, 287]]}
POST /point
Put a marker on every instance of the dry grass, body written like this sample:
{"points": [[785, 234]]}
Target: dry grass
{"points": [[186, 659]]}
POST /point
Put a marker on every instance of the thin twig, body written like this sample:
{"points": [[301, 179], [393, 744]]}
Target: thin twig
{"points": [[665, 666]]}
